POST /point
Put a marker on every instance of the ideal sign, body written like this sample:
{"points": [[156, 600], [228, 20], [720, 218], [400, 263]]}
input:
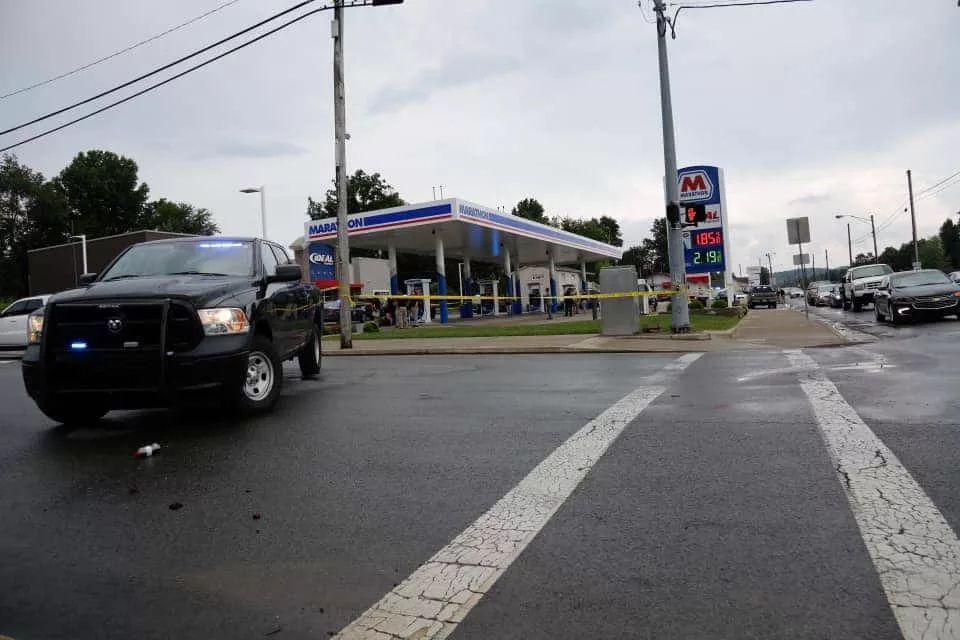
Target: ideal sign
{"points": [[322, 264]]}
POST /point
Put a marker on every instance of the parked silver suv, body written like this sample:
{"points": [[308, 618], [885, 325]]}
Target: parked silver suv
{"points": [[861, 283]]}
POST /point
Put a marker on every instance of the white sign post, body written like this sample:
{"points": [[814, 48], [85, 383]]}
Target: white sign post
{"points": [[798, 232]]}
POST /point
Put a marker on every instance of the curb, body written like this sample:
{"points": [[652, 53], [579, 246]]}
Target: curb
{"points": [[496, 352]]}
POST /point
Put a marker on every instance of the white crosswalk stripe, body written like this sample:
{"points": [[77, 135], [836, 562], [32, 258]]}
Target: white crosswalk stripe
{"points": [[916, 553], [435, 598]]}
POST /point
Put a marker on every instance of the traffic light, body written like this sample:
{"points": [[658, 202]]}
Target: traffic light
{"points": [[673, 213], [694, 213]]}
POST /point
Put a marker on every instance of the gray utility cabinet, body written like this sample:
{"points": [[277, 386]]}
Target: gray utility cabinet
{"points": [[621, 316]]}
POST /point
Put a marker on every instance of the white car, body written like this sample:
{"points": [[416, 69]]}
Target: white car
{"points": [[13, 321]]}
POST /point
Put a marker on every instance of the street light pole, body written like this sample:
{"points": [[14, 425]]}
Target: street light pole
{"points": [[873, 230], [263, 207], [913, 221], [83, 244], [849, 244], [340, 130], [770, 262], [680, 321]]}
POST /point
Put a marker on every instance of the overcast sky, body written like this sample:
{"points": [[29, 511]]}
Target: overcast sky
{"points": [[811, 108]]}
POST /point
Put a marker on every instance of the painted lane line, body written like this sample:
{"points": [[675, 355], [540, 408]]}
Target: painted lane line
{"points": [[915, 552], [436, 597]]}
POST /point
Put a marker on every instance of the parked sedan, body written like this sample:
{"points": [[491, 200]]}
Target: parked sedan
{"points": [[13, 321], [824, 295], [927, 293]]}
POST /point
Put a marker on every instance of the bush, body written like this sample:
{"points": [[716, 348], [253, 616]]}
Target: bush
{"points": [[719, 303], [371, 327], [669, 307], [696, 305]]}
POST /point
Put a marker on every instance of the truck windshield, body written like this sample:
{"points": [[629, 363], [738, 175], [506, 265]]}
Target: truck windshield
{"points": [[207, 257], [871, 271]]}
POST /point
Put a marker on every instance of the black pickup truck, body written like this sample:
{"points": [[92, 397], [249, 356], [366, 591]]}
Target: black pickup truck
{"points": [[172, 320], [762, 295]]}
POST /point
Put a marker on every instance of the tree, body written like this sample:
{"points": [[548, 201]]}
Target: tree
{"points": [[103, 193], [863, 258], [530, 209], [32, 214], [365, 192], [178, 217], [950, 238], [611, 231], [891, 257], [931, 253], [657, 245], [650, 256]]}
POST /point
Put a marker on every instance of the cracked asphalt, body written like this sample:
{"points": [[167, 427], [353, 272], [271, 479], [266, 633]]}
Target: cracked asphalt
{"points": [[717, 512]]}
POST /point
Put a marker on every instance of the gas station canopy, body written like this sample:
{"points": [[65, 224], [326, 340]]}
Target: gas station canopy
{"points": [[466, 230]]}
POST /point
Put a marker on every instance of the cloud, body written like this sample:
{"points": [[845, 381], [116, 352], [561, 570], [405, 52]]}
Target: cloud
{"points": [[810, 199], [454, 72], [259, 149]]}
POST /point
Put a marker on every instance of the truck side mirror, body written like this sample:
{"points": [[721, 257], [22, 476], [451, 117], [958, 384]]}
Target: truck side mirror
{"points": [[286, 273], [87, 279]]}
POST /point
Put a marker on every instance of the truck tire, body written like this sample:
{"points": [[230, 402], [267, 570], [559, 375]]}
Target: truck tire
{"points": [[309, 356], [72, 415], [259, 389]]}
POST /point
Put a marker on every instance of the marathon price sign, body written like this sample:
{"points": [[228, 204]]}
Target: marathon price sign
{"points": [[704, 246], [323, 267]]}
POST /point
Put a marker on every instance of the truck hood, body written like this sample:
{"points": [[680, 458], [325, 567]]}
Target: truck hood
{"points": [[198, 290], [869, 279]]}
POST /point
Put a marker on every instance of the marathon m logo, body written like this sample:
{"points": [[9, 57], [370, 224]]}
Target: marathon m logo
{"points": [[694, 186]]}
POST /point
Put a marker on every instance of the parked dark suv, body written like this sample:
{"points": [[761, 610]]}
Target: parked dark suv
{"points": [[172, 319]]}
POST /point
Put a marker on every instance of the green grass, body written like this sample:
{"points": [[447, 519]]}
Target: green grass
{"points": [[559, 328]]}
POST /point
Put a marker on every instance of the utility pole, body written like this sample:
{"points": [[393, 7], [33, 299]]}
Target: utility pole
{"points": [[826, 257], [913, 221], [340, 126], [873, 229], [680, 312], [770, 262], [813, 258], [849, 245]]}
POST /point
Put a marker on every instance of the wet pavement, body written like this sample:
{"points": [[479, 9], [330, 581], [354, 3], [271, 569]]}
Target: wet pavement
{"points": [[628, 496]]}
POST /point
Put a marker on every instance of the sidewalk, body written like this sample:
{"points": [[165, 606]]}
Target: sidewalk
{"points": [[778, 329]]}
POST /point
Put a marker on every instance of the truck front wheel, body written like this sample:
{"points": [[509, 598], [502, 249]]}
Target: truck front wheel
{"points": [[309, 356], [260, 387]]}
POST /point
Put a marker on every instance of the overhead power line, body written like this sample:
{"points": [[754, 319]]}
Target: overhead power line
{"points": [[155, 71], [931, 188], [735, 4], [67, 74], [347, 3]]}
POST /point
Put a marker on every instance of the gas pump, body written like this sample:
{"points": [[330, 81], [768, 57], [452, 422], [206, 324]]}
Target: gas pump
{"points": [[490, 289], [420, 287]]}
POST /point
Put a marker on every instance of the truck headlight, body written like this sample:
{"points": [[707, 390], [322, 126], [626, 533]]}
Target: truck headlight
{"points": [[859, 286], [34, 327], [219, 322]]}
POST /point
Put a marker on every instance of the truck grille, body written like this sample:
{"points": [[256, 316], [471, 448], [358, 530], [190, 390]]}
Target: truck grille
{"points": [[116, 345], [873, 285]]}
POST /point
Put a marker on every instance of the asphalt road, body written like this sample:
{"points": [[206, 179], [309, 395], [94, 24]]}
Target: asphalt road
{"points": [[699, 498]]}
